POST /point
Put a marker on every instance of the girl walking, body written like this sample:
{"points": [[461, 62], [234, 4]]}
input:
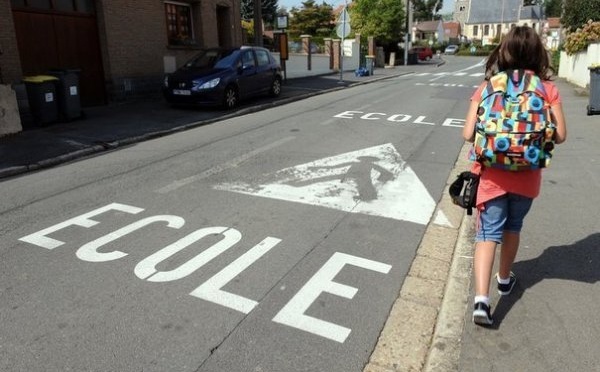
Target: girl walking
{"points": [[504, 197]]}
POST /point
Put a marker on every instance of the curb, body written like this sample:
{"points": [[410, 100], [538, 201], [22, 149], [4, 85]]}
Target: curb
{"points": [[13, 171], [424, 328], [444, 353]]}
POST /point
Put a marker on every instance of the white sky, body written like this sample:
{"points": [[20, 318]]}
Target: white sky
{"points": [[448, 4]]}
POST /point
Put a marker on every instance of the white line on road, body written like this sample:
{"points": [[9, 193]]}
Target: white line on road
{"points": [[219, 168], [361, 108], [477, 65], [328, 121]]}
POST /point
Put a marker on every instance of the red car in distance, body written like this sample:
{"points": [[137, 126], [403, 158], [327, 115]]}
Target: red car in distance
{"points": [[423, 53]]}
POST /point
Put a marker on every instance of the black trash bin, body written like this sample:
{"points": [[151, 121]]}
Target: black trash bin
{"points": [[67, 89], [594, 106], [41, 94], [413, 58]]}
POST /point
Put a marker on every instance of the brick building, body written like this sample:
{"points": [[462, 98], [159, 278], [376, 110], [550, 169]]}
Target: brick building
{"points": [[121, 47]]}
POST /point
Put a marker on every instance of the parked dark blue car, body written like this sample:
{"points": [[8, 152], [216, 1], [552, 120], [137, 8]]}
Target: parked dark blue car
{"points": [[223, 77]]}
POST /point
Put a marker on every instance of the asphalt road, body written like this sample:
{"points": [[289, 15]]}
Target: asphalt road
{"points": [[273, 241]]}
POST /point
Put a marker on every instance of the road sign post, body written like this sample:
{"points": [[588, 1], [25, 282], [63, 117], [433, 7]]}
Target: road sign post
{"points": [[343, 30]]}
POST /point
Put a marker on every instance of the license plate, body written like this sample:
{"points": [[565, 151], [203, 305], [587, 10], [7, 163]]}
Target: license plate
{"points": [[182, 92]]}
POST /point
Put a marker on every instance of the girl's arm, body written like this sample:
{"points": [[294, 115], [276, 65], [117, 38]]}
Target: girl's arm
{"points": [[471, 120], [469, 128], [561, 125]]}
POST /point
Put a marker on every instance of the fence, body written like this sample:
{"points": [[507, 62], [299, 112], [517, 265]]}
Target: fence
{"points": [[312, 64]]}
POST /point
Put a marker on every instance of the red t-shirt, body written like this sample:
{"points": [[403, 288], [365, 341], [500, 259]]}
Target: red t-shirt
{"points": [[496, 182]]}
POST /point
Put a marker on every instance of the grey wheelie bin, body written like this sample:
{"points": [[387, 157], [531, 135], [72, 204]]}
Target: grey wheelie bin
{"points": [[594, 106], [41, 95], [67, 89]]}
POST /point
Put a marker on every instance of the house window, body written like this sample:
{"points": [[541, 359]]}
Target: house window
{"points": [[486, 30], [40, 4], [475, 30], [79, 6], [461, 8], [179, 23]]}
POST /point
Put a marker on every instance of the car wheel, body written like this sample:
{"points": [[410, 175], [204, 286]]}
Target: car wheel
{"points": [[230, 98], [276, 87]]}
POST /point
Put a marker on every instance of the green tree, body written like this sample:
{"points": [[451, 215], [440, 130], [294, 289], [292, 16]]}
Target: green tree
{"points": [[312, 19], [578, 12], [427, 10], [268, 10], [553, 8], [382, 19]]}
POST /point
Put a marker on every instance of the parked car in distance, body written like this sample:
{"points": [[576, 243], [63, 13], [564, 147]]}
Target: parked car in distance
{"points": [[223, 77], [423, 53], [451, 49]]}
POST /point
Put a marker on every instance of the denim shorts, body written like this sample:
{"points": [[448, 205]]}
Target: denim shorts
{"points": [[504, 213]]}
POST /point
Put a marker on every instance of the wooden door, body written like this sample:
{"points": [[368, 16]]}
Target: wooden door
{"points": [[60, 41]]}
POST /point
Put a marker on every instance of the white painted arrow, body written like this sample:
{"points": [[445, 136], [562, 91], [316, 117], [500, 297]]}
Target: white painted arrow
{"points": [[374, 181]]}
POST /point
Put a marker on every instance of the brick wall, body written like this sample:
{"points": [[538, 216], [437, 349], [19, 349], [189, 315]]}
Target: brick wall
{"points": [[133, 41], [10, 64]]}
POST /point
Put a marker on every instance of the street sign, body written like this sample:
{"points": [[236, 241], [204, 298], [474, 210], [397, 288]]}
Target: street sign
{"points": [[343, 29], [344, 16]]}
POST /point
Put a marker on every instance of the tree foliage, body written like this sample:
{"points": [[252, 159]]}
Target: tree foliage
{"points": [[268, 10], [427, 10], [312, 19], [578, 12], [553, 8], [580, 39], [382, 19]]}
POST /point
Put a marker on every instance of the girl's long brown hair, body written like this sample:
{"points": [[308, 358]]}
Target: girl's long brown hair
{"points": [[521, 48]]}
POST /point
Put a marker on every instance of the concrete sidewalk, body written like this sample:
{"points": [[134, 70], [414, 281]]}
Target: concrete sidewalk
{"points": [[549, 321]]}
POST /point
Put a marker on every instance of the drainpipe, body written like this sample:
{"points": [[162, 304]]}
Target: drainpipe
{"points": [[258, 39]]}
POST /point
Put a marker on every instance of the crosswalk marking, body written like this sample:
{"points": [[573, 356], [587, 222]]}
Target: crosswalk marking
{"points": [[476, 74], [446, 85], [374, 181]]}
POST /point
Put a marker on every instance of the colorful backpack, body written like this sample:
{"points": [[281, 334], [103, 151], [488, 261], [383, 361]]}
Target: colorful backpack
{"points": [[514, 129]]}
